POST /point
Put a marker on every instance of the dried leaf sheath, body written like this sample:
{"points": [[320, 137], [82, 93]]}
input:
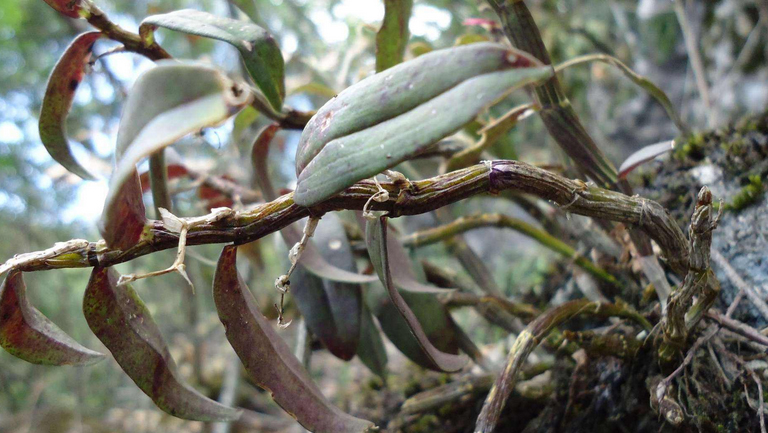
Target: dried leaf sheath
{"points": [[268, 360], [122, 322]]}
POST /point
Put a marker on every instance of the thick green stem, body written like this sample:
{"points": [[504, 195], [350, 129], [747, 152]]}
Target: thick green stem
{"points": [[425, 196]]}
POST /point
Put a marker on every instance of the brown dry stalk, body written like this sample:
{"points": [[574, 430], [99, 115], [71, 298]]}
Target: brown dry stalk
{"points": [[426, 195]]}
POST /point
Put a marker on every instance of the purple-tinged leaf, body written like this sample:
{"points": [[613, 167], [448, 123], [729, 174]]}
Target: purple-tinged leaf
{"points": [[371, 350], [123, 221], [62, 84], [70, 8], [268, 359], [261, 55], [428, 310], [644, 155], [376, 239], [25, 333], [401, 267], [259, 155], [122, 322], [331, 309]]}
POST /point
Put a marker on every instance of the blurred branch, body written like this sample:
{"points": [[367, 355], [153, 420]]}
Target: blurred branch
{"points": [[464, 224], [425, 196], [696, 62]]}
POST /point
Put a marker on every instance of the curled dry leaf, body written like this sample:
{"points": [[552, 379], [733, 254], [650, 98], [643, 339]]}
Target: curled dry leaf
{"points": [[331, 309], [168, 102], [25, 333], [62, 84], [392, 116], [122, 322], [268, 359], [375, 238], [261, 55]]}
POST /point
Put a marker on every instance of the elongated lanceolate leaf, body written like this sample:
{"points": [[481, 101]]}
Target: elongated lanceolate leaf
{"points": [[70, 8], [392, 37], [166, 103], [375, 238], [644, 155], [401, 88], [268, 359], [62, 84], [25, 333], [401, 266], [258, 48], [331, 309], [122, 322], [371, 350], [365, 153], [431, 314]]}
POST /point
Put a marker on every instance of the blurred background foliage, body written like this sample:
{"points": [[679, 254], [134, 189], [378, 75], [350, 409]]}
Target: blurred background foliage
{"points": [[327, 44]]}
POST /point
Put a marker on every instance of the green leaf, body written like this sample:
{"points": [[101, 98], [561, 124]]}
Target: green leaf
{"points": [[392, 37], [268, 359], [331, 309], [311, 259], [166, 103], [26, 334], [62, 84], [371, 350], [70, 8], [389, 94], [375, 238], [123, 323], [369, 142], [261, 55]]}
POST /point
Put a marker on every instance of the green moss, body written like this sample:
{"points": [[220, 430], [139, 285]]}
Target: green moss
{"points": [[425, 424], [693, 148], [748, 195]]}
